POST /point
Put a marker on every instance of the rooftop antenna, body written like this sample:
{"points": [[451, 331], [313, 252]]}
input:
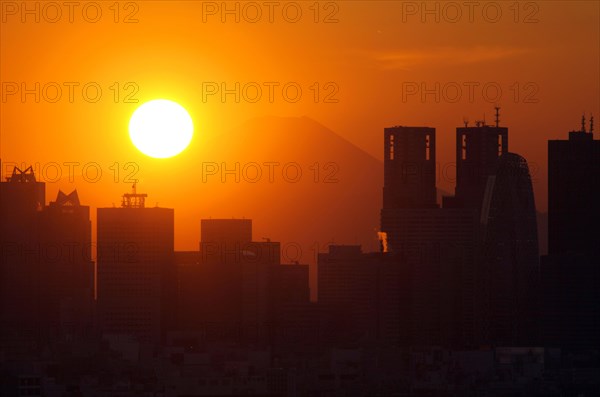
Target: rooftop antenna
{"points": [[592, 124], [466, 121], [497, 115], [583, 122], [134, 199]]}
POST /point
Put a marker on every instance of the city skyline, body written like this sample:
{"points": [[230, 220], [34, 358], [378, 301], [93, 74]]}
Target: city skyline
{"points": [[299, 198], [461, 275], [299, 248], [79, 173], [434, 198], [374, 55]]}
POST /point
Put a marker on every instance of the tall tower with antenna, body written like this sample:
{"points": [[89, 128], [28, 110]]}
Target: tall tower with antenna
{"points": [[570, 270], [573, 192], [478, 149], [136, 271]]}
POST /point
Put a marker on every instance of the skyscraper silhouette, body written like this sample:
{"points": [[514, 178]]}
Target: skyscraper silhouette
{"points": [[136, 272], [409, 168], [478, 149], [363, 298], [22, 197], [509, 268], [46, 271], [504, 275], [474, 258], [570, 273], [574, 193], [435, 247], [67, 268], [238, 291]]}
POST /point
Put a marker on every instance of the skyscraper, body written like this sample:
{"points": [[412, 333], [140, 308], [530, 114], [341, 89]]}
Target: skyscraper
{"points": [[347, 294], [409, 168], [225, 231], [570, 275], [46, 271], [234, 289], [409, 180], [472, 259], [22, 197], [363, 297], [496, 185], [478, 149], [294, 321], [434, 247], [574, 193], [509, 268], [67, 268], [224, 248], [135, 269]]}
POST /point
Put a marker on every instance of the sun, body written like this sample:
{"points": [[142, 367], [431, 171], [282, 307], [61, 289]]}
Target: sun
{"points": [[161, 128]]}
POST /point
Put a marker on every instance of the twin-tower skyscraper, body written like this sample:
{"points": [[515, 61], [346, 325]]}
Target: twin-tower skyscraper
{"points": [[474, 256]]}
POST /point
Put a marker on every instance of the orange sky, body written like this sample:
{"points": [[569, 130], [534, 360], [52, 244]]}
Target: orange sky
{"points": [[371, 52]]}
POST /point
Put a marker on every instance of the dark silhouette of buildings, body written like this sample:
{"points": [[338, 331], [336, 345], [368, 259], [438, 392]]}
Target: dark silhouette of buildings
{"points": [[477, 152], [46, 271], [570, 272], [294, 324], [573, 193], [502, 280], [238, 289], [509, 274], [435, 247], [224, 234], [474, 257], [236, 277], [362, 297], [409, 168], [136, 272], [456, 302], [66, 232], [21, 199]]}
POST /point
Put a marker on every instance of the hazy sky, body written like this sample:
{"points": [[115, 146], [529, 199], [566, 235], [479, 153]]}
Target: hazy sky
{"points": [[360, 66]]}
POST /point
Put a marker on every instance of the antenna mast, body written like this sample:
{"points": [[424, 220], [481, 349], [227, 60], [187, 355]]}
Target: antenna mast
{"points": [[497, 116], [134, 199]]}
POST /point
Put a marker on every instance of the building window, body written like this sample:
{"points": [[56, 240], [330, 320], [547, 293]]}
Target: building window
{"points": [[464, 147], [500, 147], [427, 146], [391, 147]]}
